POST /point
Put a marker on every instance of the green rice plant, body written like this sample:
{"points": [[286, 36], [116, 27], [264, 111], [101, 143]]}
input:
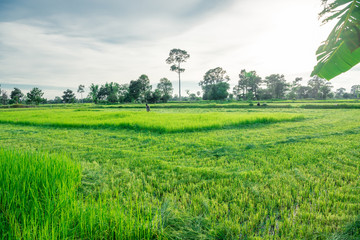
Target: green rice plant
{"points": [[39, 200], [36, 194], [350, 232], [153, 121]]}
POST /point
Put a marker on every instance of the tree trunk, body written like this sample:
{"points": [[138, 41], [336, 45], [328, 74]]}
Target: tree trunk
{"points": [[179, 84]]}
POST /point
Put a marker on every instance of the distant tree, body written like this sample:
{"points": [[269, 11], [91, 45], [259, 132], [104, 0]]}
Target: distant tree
{"points": [[69, 96], [153, 97], [248, 84], [145, 86], [339, 93], [35, 96], [303, 92], [94, 92], [3, 97], [81, 90], [276, 85], [175, 97], [165, 88], [264, 94], [347, 95], [320, 88], [109, 92], [176, 57], [355, 91], [325, 91], [134, 90], [57, 99], [215, 84], [16, 95], [294, 89], [123, 93], [140, 89]]}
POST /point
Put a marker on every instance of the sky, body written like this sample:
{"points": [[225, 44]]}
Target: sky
{"points": [[56, 45]]}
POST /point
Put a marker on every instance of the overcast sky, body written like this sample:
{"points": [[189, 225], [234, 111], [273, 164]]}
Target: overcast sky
{"points": [[60, 44]]}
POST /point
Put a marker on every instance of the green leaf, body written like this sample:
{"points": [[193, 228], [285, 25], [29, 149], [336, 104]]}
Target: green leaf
{"points": [[340, 52]]}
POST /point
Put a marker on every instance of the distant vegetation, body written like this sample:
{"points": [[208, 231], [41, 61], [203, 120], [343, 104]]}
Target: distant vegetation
{"points": [[215, 86]]}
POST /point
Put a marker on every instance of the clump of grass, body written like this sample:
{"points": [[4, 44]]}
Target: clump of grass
{"points": [[39, 200], [36, 193], [350, 232]]}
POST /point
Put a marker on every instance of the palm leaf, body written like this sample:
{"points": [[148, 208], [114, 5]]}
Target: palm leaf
{"points": [[341, 50]]}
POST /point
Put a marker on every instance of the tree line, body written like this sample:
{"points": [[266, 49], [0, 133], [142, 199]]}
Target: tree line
{"points": [[215, 86]]}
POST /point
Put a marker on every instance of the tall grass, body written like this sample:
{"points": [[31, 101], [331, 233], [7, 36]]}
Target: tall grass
{"points": [[36, 194], [39, 200], [153, 121]]}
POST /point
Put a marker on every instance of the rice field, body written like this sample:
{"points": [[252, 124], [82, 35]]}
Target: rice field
{"points": [[187, 173], [153, 121]]}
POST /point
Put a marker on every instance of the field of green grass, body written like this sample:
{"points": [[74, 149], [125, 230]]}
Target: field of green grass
{"points": [[179, 173]]}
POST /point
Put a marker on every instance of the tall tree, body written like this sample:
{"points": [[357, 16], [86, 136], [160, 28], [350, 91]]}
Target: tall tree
{"points": [[294, 88], [341, 50], [134, 90], [176, 57], [16, 95], [355, 91], [69, 96], [248, 85], [123, 93], [81, 90], [94, 92], [276, 85], [166, 89], [339, 93], [319, 88], [215, 84], [140, 89], [109, 92], [3, 96], [145, 86], [35, 96]]}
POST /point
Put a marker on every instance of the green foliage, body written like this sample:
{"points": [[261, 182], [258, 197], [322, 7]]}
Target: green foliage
{"points": [[165, 88], [94, 93], [16, 95], [340, 51], [139, 89], [35, 96], [276, 85], [248, 85], [69, 96], [176, 57], [109, 92], [215, 84], [3, 97]]}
